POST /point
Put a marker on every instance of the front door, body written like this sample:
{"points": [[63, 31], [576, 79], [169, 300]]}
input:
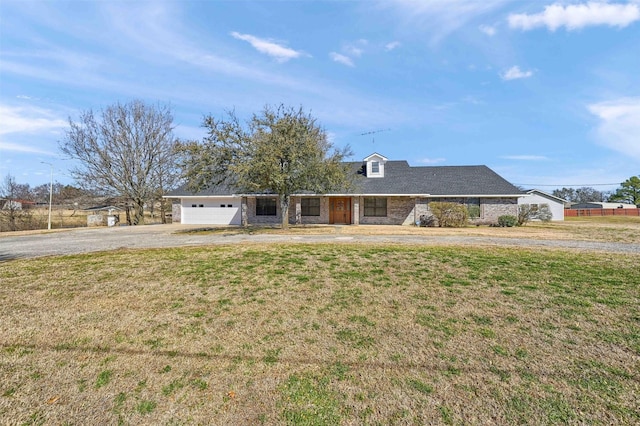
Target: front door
{"points": [[340, 210]]}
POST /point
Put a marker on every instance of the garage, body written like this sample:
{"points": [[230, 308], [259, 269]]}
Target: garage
{"points": [[211, 211]]}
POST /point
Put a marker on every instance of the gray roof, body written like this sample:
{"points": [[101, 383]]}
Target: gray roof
{"points": [[402, 179]]}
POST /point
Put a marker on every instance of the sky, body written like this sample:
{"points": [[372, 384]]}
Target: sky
{"points": [[546, 93]]}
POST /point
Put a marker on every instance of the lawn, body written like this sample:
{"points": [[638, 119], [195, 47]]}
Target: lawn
{"points": [[321, 335]]}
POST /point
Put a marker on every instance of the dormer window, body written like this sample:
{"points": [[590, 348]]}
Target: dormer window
{"points": [[374, 165]]}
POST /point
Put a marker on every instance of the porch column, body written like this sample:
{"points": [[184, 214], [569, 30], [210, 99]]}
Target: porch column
{"points": [[356, 210]]}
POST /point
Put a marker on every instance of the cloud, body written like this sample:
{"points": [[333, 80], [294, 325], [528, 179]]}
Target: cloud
{"points": [[14, 147], [619, 125], [29, 120], [268, 47], [391, 46], [577, 16], [488, 30], [525, 157], [355, 49], [440, 18], [344, 60], [432, 160], [515, 73]]}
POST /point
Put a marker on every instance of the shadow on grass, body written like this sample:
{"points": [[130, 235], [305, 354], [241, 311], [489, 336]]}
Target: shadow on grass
{"points": [[5, 257]]}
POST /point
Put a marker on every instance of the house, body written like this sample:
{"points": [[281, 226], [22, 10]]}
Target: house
{"points": [[386, 192], [601, 205], [537, 198]]}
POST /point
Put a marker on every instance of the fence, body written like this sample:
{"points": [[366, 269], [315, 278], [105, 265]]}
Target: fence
{"points": [[601, 212]]}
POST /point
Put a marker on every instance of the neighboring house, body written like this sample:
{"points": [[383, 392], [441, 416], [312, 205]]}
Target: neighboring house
{"points": [[386, 192], [11, 205], [601, 205], [537, 198]]}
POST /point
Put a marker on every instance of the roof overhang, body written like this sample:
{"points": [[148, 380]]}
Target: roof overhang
{"points": [[204, 196]]}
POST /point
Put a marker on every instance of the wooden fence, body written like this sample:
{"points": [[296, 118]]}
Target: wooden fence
{"points": [[601, 212]]}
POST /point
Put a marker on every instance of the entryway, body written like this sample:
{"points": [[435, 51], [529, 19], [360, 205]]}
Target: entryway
{"points": [[340, 210]]}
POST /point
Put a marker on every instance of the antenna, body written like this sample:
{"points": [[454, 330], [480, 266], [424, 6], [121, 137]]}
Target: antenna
{"points": [[373, 140]]}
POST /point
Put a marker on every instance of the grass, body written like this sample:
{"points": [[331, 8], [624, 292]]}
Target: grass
{"points": [[321, 334]]}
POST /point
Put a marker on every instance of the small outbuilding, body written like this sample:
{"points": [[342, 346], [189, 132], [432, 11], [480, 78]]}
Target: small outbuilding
{"points": [[602, 205], [537, 198]]}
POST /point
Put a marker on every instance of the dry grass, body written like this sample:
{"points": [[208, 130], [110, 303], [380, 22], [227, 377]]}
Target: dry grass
{"points": [[321, 334], [619, 229]]}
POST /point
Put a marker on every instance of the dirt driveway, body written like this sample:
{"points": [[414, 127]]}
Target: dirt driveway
{"points": [[84, 240]]}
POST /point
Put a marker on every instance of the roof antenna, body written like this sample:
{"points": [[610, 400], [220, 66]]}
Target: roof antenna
{"points": [[373, 140]]}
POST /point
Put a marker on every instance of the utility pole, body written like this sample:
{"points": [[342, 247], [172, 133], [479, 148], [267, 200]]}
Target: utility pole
{"points": [[50, 193]]}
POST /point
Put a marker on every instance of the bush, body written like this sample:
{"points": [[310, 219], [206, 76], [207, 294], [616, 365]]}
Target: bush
{"points": [[507, 220], [525, 213], [449, 215], [544, 213], [427, 220]]}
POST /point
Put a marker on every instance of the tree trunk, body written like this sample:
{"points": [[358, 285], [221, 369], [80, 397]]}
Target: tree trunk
{"points": [[163, 211], [284, 209], [138, 212]]}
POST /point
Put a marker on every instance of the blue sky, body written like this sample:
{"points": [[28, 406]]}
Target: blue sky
{"points": [[545, 93]]}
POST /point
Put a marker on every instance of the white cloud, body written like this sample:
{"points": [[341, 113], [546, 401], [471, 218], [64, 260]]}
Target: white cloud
{"points": [[14, 147], [488, 30], [29, 120], [344, 60], [525, 157], [355, 49], [577, 16], [440, 18], [432, 160], [619, 125], [515, 73], [268, 47], [392, 45]]}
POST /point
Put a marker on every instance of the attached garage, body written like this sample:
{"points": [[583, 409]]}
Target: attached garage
{"points": [[211, 211]]}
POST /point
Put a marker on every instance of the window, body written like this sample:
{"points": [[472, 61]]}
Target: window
{"points": [[221, 205], [473, 207], [265, 206], [194, 205], [201, 205], [375, 207], [310, 206], [375, 167], [229, 205]]}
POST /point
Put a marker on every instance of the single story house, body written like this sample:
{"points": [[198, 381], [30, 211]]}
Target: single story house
{"points": [[601, 205], [537, 198], [386, 193]]}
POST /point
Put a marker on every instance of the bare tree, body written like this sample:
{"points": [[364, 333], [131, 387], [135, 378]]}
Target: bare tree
{"points": [[280, 151], [129, 151], [13, 217]]}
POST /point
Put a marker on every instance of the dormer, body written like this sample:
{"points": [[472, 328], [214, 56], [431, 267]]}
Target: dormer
{"points": [[375, 165]]}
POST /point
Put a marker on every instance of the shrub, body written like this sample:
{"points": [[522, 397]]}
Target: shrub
{"points": [[544, 213], [450, 215], [427, 220], [507, 220], [525, 213]]}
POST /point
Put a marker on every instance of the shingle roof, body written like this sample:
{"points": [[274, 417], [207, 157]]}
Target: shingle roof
{"points": [[402, 179]]}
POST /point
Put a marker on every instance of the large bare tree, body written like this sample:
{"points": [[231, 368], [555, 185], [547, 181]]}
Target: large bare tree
{"points": [[128, 150], [281, 151]]}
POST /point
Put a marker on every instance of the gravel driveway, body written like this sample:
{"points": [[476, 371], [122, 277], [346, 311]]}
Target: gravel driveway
{"points": [[84, 240]]}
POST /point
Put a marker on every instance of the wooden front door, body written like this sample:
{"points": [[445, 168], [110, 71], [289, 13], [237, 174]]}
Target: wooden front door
{"points": [[340, 210]]}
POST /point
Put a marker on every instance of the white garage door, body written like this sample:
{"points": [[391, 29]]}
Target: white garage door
{"points": [[211, 211]]}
